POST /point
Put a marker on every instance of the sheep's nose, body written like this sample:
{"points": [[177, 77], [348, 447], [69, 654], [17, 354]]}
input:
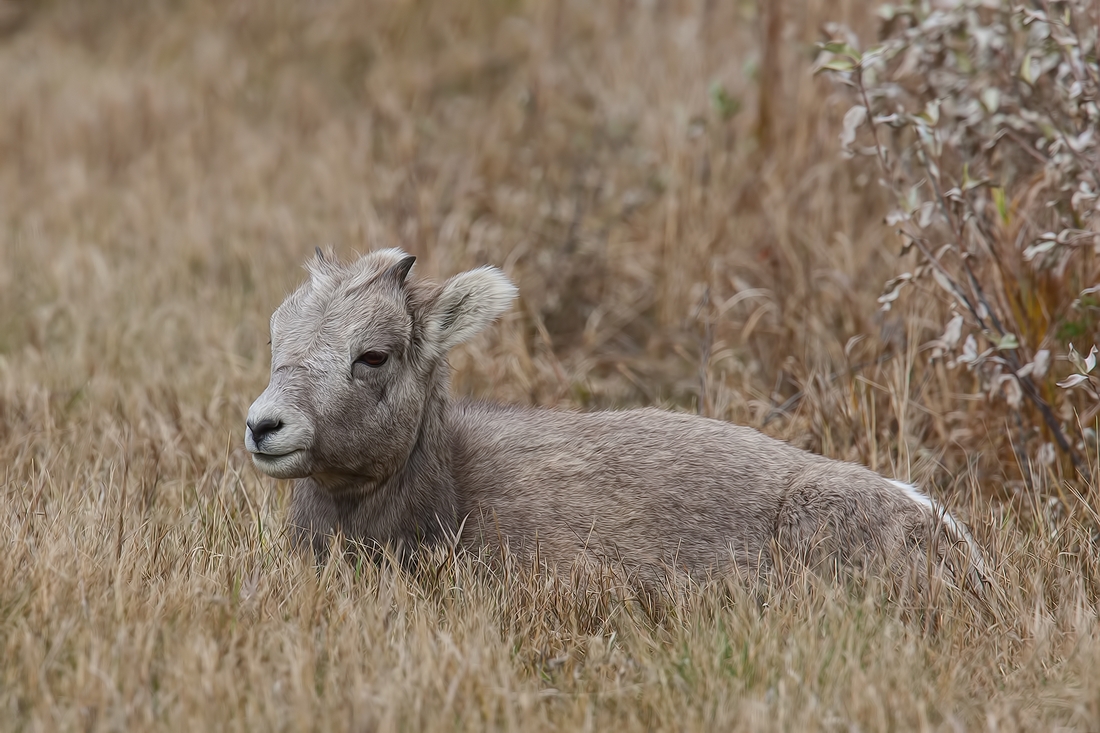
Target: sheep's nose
{"points": [[263, 428]]}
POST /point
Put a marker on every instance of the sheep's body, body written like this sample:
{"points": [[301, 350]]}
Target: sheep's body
{"points": [[648, 489], [386, 457], [656, 489]]}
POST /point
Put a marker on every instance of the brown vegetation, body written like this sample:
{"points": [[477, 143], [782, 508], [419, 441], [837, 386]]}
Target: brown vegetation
{"points": [[165, 166]]}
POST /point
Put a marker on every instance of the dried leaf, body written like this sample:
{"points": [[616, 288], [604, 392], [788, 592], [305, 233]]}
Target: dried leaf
{"points": [[991, 99], [887, 298], [927, 209], [1081, 142], [896, 217], [1072, 381], [952, 333], [837, 64], [1010, 385], [851, 344], [950, 338], [1026, 72], [1076, 360], [1041, 247], [970, 350], [841, 49], [945, 282], [932, 112], [853, 118], [1037, 367]]}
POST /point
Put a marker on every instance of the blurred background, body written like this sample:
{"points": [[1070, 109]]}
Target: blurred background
{"points": [[661, 178]]}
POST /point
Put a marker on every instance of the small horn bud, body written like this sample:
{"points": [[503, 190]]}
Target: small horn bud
{"points": [[400, 271]]}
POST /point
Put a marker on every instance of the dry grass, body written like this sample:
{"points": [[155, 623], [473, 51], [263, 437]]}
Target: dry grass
{"points": [[165, 166]]}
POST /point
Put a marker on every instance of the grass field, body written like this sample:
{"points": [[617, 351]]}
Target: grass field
{"points": [[680, 238]]}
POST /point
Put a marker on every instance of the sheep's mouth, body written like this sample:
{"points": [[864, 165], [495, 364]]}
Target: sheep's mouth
{"points": [[281, 465], [266, 454]]}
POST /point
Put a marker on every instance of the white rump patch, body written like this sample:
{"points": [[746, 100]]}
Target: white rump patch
{"points": [[949, 521]]}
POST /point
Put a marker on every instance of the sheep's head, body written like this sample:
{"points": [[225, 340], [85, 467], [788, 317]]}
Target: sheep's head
{"points": [[353, 353]]}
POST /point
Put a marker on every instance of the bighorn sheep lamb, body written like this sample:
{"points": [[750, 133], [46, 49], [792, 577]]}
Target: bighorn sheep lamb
{"points": [[358, 411]]}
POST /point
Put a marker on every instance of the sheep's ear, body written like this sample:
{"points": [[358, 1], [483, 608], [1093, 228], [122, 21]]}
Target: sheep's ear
{"points": [[466, 304]]}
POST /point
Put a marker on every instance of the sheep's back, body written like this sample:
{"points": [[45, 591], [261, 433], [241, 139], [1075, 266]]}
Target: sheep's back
{"points": [[647, 487]]}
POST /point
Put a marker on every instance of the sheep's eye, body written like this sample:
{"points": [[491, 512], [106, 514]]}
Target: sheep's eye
{"points": [[373, 359]]}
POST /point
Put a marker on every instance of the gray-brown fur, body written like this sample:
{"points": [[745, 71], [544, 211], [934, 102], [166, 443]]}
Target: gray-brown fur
{"points": [[383, 454]]}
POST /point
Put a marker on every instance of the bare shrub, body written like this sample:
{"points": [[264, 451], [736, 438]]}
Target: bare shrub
{"points": [[983, 118]]}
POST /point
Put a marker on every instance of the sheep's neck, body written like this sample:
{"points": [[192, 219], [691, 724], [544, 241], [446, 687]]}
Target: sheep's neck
{"points": [[415, 504]]}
